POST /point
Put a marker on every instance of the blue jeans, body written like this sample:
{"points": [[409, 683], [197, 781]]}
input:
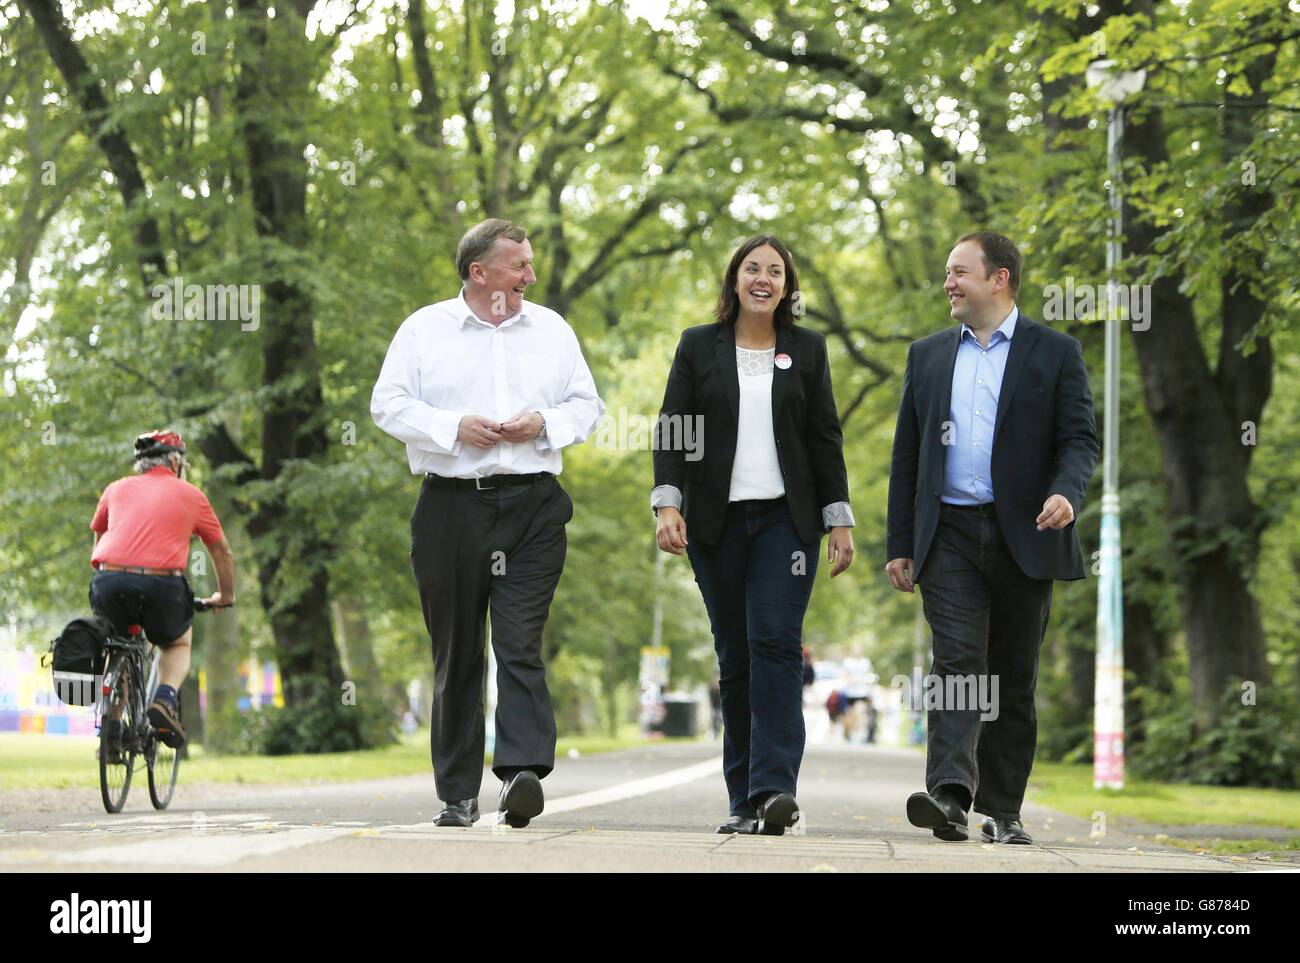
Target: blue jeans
{"points": [[756, 583]]}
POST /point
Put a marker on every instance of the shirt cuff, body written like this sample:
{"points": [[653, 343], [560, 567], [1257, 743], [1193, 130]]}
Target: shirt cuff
{"points": [[559, 433], [444, 426], [837, 515], [665, 496]]}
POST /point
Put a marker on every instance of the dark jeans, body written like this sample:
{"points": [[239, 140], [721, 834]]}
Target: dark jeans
{"points": [[473, 551], [756, 583], [987, 619]]}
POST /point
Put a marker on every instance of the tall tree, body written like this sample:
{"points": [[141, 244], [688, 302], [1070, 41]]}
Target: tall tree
{"points": [[1206, 413], [273, 81]]}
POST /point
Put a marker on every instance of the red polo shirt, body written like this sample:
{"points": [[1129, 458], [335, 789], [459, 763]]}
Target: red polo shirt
{"points": [[147, 520]]}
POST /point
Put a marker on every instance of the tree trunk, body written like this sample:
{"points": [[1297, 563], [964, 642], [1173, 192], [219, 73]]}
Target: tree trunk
{"points": [[1145, 649], [221, 640], [273, 74], [88, 91], [292, 427], [1197, 415], [358, 647], [1081, 660], [609, 687]]}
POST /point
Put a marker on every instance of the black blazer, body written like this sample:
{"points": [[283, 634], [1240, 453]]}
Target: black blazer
{"points": [[809, 445], [1044, 443]]}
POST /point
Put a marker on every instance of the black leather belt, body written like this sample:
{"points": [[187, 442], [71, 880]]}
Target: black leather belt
{"points": [[986, 509], [488, 483]]}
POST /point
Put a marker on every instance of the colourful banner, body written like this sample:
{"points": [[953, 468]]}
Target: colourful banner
{"points": [[28, 702]]}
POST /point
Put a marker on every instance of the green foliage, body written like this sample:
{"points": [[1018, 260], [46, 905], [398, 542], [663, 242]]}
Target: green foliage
{"points": [[321, 724], [1249, 745]]}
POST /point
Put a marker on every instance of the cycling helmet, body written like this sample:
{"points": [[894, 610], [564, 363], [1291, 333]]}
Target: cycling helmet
{"points": [[154, 443]]}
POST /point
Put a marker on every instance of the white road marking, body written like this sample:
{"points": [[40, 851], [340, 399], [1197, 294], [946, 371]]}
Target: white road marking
{"points": [[625, 790], [169, 819], [200, 850]]}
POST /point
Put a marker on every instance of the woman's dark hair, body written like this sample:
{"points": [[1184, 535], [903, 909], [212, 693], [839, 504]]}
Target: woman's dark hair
{"points": [[728, 307]]}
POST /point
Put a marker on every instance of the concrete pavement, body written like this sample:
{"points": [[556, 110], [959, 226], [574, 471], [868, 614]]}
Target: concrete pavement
{"points": [[650, 809]]}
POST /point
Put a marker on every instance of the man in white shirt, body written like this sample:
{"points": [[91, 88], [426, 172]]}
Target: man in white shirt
{"points": [[485, 389]]}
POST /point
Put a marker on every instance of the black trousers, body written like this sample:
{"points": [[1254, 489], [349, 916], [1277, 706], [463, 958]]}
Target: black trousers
{"points": [[500, 550], [163, 605], [756, 583], [987, 619]]}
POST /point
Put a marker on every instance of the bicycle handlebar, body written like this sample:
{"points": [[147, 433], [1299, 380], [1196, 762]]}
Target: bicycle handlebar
{"points": [[202, 606]]}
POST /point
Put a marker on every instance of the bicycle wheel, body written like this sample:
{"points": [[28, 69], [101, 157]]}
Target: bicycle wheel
{"points": [[164, 764], [116, 743]]}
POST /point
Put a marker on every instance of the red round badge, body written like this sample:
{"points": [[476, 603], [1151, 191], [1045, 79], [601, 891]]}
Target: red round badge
{"points": [[783, 361]]}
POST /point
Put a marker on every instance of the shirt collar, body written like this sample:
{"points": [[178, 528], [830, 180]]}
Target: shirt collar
{"points": [[467, 316], [1007, 328]]}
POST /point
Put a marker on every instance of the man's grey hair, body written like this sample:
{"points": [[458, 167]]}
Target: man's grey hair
{"points": [[164, 460], [480, 238]]}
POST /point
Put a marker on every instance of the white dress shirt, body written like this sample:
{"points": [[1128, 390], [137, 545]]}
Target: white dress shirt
{"points": [[445, 363]]}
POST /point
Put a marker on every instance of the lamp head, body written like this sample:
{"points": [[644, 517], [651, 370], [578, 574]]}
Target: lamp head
{"points": [[1113, 85]]}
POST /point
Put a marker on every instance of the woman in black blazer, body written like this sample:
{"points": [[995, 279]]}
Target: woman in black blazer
{"points": [[764, 481]]}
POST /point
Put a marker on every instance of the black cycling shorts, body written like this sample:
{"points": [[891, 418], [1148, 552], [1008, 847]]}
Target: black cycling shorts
{"points": [[163, 605]]}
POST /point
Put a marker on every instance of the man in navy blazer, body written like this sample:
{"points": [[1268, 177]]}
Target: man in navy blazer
{"points": [[993, 450]]}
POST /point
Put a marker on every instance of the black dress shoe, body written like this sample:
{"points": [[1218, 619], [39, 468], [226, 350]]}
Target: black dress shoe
{"points": [[942, 813], [463, 813], [742, 825], [777, 813], [997, 830], [521, 799]]}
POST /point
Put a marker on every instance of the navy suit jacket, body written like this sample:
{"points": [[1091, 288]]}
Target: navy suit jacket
{"points": [[1044, 443]]}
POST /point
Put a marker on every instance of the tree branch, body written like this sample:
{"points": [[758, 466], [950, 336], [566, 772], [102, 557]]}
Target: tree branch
{"points": [[599, 265], [86, 88], [853, 406]]}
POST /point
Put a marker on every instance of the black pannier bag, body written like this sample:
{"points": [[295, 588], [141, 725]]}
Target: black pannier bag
{"points": [[78, 660]]}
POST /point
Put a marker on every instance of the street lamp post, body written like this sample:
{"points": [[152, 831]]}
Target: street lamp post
{"points": [[1108, 708]]}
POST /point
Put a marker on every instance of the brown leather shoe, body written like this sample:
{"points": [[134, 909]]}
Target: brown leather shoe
{"points": [[163, 717]]}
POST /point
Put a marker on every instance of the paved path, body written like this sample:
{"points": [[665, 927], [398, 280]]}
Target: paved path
{"points": [[650, 809]]}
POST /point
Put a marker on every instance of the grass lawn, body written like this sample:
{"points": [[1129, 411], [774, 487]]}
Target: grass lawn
{"points": [[59, 762], [1068, 788]]}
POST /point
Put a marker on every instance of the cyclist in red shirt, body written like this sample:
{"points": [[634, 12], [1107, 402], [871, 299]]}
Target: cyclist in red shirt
{"points": [[142, 527]]}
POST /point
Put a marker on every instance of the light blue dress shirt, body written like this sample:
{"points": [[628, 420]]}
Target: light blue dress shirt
{"points": [[976, 384]]}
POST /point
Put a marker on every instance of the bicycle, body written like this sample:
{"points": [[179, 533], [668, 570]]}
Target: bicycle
{"points": [[125, 695]]}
